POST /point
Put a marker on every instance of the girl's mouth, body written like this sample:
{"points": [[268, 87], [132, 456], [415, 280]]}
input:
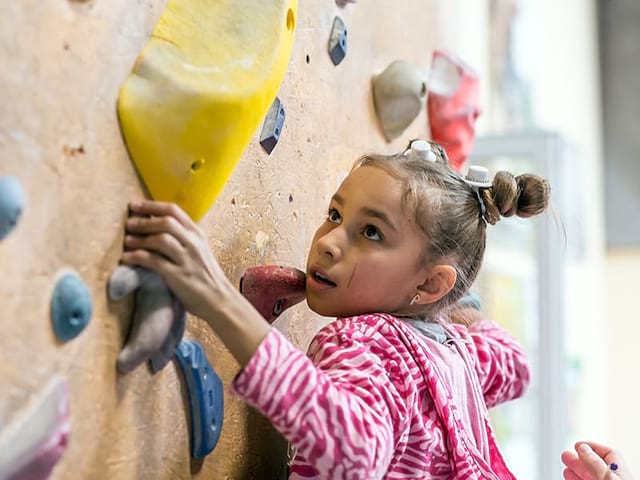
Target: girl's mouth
{"points": [[318, 277]]}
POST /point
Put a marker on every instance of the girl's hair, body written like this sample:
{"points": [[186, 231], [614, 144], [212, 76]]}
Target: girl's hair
{"points": [[450, 213]]}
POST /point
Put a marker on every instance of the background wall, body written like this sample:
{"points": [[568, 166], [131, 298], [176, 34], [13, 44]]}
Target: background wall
{"points": [[620, 50], [63, 62], [620, 47], [623, 330]]}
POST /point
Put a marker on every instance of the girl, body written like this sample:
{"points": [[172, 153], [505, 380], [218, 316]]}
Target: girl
{"points": [[389, 389]]}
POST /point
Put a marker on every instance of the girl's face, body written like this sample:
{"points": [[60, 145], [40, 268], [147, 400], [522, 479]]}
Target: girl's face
{"points": [[367, 255]]}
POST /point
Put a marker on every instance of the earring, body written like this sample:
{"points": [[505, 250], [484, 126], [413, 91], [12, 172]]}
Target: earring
{"points": [[415, 299]]}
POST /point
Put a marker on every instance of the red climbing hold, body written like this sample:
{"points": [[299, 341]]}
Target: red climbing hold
{"points": [[453, 106]]}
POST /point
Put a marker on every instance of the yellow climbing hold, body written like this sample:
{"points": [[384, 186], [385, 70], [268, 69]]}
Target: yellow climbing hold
{"points": [[199, 89]]}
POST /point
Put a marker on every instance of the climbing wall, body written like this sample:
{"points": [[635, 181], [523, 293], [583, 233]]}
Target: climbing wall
{"points": [[63, 63]]}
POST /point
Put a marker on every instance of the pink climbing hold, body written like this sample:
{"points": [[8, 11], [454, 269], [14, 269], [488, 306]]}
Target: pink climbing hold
{"points": [[453, 106], [32, 446]]}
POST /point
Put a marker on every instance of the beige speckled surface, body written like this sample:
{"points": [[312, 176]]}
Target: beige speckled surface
{"points": [[62, 64]]}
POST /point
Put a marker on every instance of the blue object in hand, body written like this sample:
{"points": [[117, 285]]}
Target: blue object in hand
{"points": [[71, 307], [12, 199], [205, 397]]}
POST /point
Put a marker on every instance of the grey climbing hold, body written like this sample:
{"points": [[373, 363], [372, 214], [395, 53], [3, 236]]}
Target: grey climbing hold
{"points": [[272, 126], [338, 41], [399, 94], [158, 320], [71, 306], [168, 348], [125, 280], [12, 199]]}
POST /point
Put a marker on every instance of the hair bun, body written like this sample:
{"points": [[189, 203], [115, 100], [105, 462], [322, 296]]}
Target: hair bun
{"points": [[534, 195], [525, 196]]}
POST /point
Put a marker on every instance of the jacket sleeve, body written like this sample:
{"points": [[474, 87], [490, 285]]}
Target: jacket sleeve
{"points": [[336, 406], [500, 362]]}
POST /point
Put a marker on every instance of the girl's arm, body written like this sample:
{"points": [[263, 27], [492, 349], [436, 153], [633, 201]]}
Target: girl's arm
{"points": [[501, 363], [337, 410]]}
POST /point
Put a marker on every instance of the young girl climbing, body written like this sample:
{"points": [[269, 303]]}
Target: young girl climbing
{"points": [[389, 389]]}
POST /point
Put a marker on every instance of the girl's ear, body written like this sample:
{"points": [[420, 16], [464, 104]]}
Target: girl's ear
{"points": [[439, 281]]}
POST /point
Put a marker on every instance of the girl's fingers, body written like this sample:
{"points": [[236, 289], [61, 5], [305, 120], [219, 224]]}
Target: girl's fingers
{"points": [[161, 243], [162, 209], [150, 260], [159, 225]]}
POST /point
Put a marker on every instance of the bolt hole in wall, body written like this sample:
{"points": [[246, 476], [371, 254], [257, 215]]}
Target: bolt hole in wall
{"points": [[195, 166]]}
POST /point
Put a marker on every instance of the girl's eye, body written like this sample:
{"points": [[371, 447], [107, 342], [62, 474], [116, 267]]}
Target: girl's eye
{"points": [[333, 216], [371, 233]]}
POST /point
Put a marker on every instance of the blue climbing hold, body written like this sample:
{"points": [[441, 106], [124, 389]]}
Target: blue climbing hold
{"points": [[70, 307], [272, 126], [338, 41], [12, 200], [205, 397], [472, 300]]}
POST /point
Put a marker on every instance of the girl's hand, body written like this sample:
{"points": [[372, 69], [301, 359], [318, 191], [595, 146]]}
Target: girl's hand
{"points": [[162, 237], [592, 461]]}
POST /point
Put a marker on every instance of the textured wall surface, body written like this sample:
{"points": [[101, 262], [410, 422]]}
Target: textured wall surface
{"points": [[62, 63]]}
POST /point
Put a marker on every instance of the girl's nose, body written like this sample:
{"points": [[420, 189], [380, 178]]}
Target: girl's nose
{"points": [[331, 243]]}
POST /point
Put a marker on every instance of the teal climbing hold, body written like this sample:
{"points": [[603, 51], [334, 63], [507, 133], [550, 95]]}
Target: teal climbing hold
{"points": [[12, 200], [71, 307]]}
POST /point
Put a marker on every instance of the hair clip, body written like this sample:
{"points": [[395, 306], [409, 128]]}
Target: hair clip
{"points": [[478, 176], [421, 149]]}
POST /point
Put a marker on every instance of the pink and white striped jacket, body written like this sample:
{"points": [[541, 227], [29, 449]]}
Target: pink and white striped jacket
{"points": [[375, 398]]}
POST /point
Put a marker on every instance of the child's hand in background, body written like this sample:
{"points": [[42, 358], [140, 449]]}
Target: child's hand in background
{"points": [[592, 461]]}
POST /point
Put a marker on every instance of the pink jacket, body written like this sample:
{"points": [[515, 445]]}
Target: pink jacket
{"points": [[375, 398]]}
